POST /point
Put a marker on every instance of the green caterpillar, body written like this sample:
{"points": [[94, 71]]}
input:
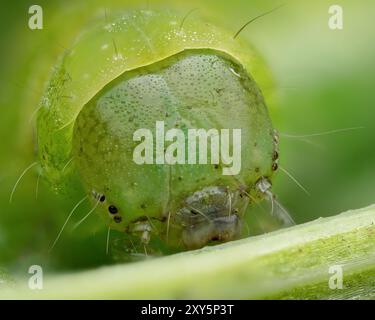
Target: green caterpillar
{"points": [[139, 68]]}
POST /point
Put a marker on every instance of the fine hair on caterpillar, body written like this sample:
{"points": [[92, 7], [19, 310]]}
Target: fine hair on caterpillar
{"points": [[256, 18]]}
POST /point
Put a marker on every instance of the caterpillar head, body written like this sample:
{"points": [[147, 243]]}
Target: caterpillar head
{"points": [[159, 78]]}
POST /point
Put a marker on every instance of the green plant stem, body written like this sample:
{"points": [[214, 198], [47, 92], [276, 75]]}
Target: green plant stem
{"points": [[289, 263]]}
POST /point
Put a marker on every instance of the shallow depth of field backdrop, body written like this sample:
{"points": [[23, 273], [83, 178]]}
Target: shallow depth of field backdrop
{"points": [[324, 79]]}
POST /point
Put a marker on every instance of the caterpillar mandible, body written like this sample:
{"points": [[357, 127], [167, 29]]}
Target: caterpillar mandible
{"points": [[144, 67]]}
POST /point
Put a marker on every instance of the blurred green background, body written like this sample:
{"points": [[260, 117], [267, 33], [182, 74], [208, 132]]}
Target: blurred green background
{"points": [[324, 82]]}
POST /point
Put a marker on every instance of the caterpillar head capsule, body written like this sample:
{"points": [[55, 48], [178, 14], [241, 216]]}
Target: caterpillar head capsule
{"points": [[131, 125]]}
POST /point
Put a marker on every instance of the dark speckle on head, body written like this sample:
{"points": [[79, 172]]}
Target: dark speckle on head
{"points": [[117, 219], [112, 209], [102, 198], [193, 211], [275, 166], [275, 155]]}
